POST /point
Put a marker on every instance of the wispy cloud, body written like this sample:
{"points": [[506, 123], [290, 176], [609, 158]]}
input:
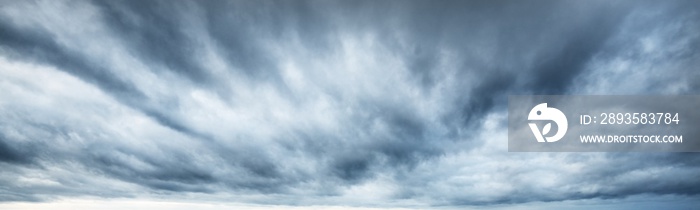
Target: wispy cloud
{"points": [[326, 103]]}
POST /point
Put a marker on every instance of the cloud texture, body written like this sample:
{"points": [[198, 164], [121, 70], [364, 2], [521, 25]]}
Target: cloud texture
{"points": [[360, 103]]}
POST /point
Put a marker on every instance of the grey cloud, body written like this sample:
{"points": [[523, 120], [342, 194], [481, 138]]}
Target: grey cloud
{"points": [[444, 68], [165, 45], [620, 176], [40, 46], [10, 154]]}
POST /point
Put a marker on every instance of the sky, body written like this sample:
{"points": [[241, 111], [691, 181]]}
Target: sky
{"points": [[328, 104]]}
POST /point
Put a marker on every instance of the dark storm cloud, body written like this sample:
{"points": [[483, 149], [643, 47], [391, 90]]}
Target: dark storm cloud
{"points": [[234, 25], [165, 45], [555, 71], [174, 172], [526, 53], [10, 154], [312, 99], [41, 47]]}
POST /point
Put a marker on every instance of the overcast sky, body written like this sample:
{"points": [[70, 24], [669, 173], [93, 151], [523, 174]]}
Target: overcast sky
{"points": [[328, 103]]}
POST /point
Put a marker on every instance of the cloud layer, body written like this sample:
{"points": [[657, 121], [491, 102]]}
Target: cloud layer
{"points": [[391, 103]]}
